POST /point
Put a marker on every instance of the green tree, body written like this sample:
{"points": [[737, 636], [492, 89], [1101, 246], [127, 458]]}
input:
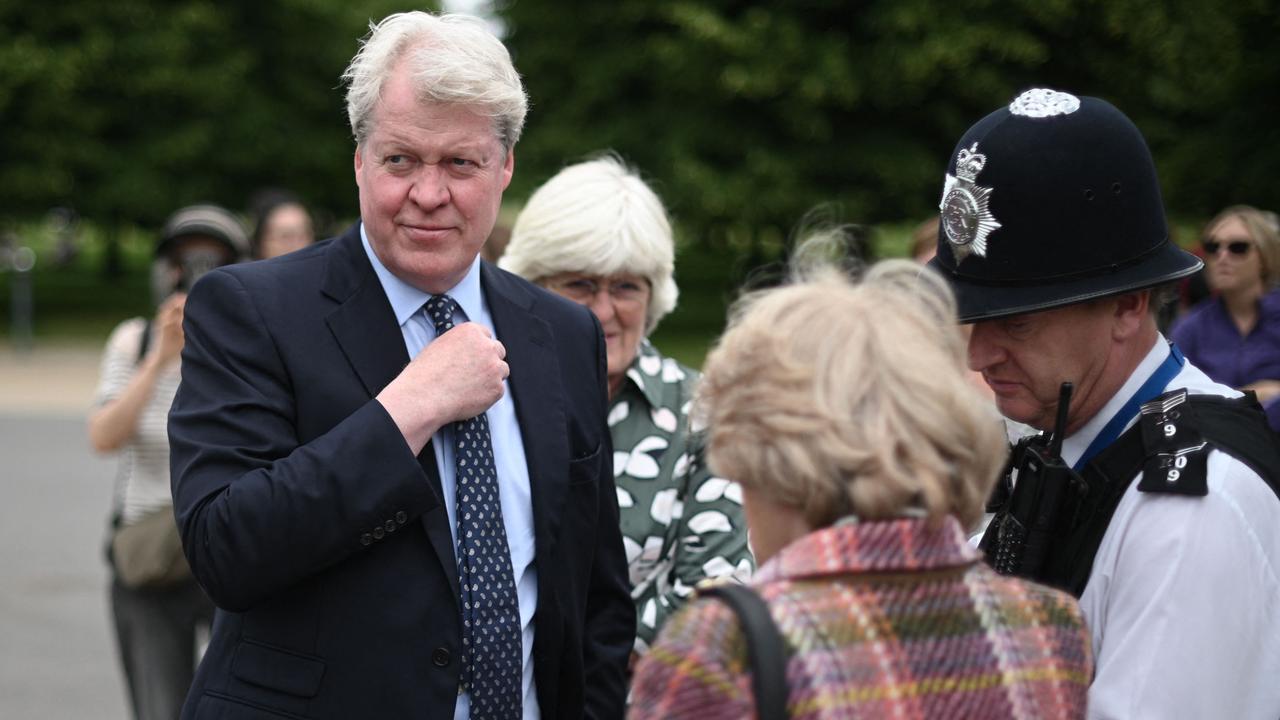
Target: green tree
{"points": [[746, 114], [126, 110]]}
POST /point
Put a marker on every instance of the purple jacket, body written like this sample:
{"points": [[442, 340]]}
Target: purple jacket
{"points": [[1211, 341]]}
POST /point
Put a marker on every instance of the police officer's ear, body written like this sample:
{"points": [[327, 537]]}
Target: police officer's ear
{"points": [[1132, 314]]}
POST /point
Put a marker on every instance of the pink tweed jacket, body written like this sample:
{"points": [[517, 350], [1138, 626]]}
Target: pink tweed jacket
{"points": [[882, 620]]}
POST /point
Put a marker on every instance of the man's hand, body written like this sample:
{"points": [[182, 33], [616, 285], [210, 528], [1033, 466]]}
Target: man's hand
{"points": [[457, 377]]}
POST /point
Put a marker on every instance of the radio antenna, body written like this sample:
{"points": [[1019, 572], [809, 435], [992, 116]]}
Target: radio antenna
{"points": [[1060, 426]]}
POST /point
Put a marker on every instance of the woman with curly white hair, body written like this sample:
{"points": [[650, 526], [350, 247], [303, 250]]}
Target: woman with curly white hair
{"points": [[597, 234], [864, 454]]}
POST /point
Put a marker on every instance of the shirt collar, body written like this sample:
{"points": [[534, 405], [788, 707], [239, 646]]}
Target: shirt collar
{"points": [[901, 544], [1075, 445], [647, 373], [406, 299]]}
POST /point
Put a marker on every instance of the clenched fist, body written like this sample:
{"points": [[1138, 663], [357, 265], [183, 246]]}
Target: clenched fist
{"points": [[456, 377]]}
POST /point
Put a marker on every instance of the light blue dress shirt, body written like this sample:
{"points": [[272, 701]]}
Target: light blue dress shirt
{"points": [[508, 452]]}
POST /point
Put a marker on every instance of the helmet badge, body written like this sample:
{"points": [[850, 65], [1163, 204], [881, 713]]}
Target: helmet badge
{"points": [[1043, 103], [966, 215]]}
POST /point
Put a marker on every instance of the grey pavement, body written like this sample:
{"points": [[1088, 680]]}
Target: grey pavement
{"points": [[57, 657]]}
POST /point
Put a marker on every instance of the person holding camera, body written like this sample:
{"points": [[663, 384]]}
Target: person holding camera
{"points": [[156, 605]]}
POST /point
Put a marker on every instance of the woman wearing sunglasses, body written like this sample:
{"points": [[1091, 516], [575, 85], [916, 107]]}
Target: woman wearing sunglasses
{"points": [[1234, 336]]}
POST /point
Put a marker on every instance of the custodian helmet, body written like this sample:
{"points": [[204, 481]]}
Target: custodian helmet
{"points": [[1052, 201]]}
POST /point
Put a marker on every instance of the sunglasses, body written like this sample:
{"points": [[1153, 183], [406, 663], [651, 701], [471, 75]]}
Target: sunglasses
{"points": [[1235, 247]]}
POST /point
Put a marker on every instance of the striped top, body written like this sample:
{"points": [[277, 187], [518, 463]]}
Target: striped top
{"points": [[882, 620], [142, 478]]}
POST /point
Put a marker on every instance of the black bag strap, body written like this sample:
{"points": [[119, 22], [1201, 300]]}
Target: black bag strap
{"points": [[1107, 477], [766, 651], [1238, 427], [145, 343], [117, 510]]}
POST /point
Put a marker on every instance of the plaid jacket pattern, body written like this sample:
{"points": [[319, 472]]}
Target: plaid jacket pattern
{"points": [[883, 620]]}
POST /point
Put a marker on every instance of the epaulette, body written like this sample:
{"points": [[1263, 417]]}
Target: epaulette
{"points": [[1177, 455], [1170, 444]]}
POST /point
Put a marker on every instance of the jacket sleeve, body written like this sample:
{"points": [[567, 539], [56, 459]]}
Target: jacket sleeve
{"points": [[257, 509], [609, 629], [1182, 602]]}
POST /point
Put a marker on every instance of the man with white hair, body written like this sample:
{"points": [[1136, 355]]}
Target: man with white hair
{"points": [[1157, 498], [392, 469]]}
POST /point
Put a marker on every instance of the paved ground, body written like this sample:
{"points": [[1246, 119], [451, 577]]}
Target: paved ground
{"points": [[57, 659], [49, 380]]}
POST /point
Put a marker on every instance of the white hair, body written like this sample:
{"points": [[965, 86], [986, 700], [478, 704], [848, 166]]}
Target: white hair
{"points": [[453, 58], [597, 217]]}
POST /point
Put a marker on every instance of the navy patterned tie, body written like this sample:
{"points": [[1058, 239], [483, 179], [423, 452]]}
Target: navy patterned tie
{"points": [[492, 665]]}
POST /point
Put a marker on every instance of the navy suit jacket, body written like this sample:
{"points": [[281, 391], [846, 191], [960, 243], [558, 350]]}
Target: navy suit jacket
{"points": [[324, 541]]}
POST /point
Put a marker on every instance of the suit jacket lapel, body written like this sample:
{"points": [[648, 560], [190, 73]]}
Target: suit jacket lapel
{"points": [[536, 391], [365, 327], [363, 324]]}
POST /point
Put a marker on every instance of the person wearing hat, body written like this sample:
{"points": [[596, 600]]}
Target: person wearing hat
{"points": [[156, 605], [1157, 501]]}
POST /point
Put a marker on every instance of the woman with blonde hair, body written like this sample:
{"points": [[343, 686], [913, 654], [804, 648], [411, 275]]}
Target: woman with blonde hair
{"points": [[864, 455], [1234, 336]]}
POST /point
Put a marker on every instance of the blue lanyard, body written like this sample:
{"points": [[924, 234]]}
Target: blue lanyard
{"points": [[1154, 385]]}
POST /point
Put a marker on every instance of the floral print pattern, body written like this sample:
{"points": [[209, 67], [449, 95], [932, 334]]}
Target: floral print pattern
{"points": [[680, 524]]}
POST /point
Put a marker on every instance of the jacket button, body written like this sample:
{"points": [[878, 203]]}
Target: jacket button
{"points": [[378, 533], [440, 657], [391, 526], [366, 539], [401, 518]]}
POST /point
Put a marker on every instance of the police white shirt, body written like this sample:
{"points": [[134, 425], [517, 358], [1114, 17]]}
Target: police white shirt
{"points": [[1183, 601]]}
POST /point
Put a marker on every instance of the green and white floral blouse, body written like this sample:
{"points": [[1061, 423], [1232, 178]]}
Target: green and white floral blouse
{"points": [[680, 523]]}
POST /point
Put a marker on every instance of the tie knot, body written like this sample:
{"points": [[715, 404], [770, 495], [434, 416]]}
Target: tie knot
{"points": [[440, 310]]}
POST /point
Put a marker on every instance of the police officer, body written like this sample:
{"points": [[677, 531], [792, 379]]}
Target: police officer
{"points": [[1053, 236]]}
